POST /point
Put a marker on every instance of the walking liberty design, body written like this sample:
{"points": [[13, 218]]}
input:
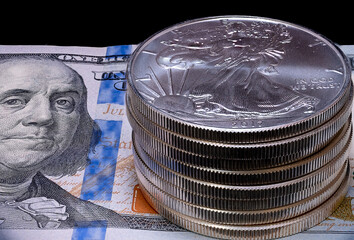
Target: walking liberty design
{"points": [[226, 71]]}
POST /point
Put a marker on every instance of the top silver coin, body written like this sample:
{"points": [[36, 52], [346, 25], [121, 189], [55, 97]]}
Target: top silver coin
{"points": [[239, 74]]}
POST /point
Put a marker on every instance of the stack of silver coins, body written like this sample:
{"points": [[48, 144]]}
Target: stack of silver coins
{"points": [[241, 126]]}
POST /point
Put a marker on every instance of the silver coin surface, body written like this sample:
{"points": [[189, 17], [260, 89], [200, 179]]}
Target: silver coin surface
{"points": [[253, 177], [226, 197], [253, 232], [239, 74], [228, 217], [304, 144]]}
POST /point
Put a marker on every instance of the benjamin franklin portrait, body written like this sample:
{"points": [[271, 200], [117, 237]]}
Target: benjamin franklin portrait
{"points": [[45, 130]]}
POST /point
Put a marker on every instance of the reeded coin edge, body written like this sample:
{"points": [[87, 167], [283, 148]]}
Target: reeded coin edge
{"points": [[257, 176], [302, 126], [148, 142], [228, 217], [256, 232], [295, 147], [225, 197], [237, 135], [177, 178]]}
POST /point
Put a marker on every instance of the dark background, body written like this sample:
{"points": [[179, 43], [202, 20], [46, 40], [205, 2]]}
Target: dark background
{"points": [[100, 24]]}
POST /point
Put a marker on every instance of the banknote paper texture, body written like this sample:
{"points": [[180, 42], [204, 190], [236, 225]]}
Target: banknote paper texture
{"points": [[100, 198]]}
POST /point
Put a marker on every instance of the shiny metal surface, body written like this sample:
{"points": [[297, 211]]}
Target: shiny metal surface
{"points": [[236, 197], [261, 78], [241, 125], [252, 156], [239, 217], [226, 176], [254, 232]]}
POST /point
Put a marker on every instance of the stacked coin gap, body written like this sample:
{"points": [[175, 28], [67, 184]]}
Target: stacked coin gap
{"points": [[241, 126]]}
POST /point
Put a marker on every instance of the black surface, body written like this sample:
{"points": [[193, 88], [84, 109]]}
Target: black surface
{"points": [[99, 24]]}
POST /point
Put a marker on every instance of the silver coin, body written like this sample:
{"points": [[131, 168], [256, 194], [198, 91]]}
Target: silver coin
{"points": [[238, 79], [296, 147], [252, 157], [226, 197], [257, 231], [253, 177], [226, 217], [150, 143]]}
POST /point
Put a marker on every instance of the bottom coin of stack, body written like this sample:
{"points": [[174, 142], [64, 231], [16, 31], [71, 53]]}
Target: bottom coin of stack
{"points": [[241, 126]]}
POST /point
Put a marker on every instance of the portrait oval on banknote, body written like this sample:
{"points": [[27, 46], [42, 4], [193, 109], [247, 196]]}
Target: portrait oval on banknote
{"points": [[236, 73], [49, 130]]}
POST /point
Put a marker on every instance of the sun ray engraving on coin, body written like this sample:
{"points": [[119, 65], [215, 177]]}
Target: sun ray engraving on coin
{"points": [[236, 66], [236, 75], [241, 125]]}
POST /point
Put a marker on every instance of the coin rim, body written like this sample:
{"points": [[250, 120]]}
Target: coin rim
{"points": [[269, 231], [268, 196], [230, 217], [310, 121], [294, 148], [286, 172]]}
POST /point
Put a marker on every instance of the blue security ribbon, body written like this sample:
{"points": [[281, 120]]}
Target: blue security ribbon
{"points": [[99, 175]]}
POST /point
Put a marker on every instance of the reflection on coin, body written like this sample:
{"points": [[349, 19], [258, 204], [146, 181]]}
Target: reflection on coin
{"points": [[235, 197], [228, 217], [263, 79], [254, 232], [241, 125], [291, 148], [287, 172]]}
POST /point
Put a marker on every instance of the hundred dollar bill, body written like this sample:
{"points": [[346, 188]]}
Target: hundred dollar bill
{"points": [[66, 165]]}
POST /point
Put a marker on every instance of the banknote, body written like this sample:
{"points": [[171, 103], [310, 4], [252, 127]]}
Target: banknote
{"points": [[67, 167]]}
